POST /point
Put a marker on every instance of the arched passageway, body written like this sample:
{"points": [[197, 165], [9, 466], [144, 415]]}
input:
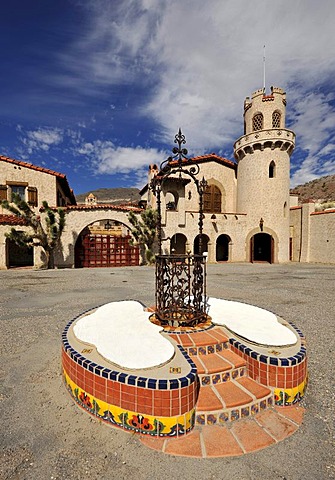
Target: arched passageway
{"points": [[262, 248], [19, 256], [178, 244], [222, 248], [105, 244], [205, 240]]}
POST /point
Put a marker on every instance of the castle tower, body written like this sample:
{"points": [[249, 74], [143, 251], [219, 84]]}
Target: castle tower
{"points": [[263, 178]]}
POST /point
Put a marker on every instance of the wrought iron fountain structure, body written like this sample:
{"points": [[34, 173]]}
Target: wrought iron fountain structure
{"points": [[180, 278]]}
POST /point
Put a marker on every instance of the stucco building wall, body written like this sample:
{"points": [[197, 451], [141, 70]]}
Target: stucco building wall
{"points": [[322, 237]]}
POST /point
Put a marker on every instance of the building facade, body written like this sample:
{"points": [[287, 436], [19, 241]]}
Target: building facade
{"points": [[249, 215]]}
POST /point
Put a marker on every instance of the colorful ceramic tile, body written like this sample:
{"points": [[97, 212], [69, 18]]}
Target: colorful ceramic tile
{"points": [[223, 417], [130, 420], [218, 347], [200, 419], [234, 415], [262, 405], [202, 351], [210, 349], [211, 419], [225, 377], [254, 409], [245, 412], [216, 378], [290, 396], [205, 380], [234, 374]]}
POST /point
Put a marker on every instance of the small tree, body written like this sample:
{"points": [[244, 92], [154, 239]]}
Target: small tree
{"points": [[144, 232], [46, 236]]}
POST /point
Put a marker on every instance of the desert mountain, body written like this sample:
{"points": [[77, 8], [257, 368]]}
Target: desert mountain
{"points": [[112, 195], [321, 190]]}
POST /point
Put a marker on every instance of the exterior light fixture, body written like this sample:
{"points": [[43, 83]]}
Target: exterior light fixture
{"points": [[261, 223]]}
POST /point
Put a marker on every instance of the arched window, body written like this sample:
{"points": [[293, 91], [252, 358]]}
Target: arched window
{"points": [[272, 169], [257, 122], [276, 117], [171, 199], [212, 199]]}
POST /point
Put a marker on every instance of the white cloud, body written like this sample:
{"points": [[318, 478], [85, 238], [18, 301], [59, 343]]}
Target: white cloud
{"points": [[41, 139], [200, 60], [190, 64], [107, 159]]}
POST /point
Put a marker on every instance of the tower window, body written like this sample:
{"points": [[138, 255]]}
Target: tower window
{"points": [[276, 117], [272, 169], [212, 199], [257, 122]]}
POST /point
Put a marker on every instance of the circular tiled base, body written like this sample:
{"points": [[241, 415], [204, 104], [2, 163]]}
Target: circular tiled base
{"points": [[238, 438]]}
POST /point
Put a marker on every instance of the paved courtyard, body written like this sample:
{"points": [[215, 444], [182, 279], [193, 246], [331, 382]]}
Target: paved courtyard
{"points": [[44, 435]]}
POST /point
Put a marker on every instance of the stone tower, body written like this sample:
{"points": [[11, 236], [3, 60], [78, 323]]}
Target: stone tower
{"points": [[263, 178]]}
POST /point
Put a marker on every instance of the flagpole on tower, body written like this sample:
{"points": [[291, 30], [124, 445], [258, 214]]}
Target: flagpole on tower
{"points": [[264, 69]]}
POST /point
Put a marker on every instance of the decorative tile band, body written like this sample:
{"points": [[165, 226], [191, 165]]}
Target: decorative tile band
{"points": [[278, 361], [272, 375], [221, 377], [162, 426], [206, 349], [154, 397], [232, 414], [126, 378], [289, 396]]}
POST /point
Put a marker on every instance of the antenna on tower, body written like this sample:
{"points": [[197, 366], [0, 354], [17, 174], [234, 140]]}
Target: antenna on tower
{"points": [[264, 69]]}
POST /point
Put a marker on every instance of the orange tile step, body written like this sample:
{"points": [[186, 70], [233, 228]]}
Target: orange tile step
{"points": [[231, 401], [203, 343], [248, 435], [219, 367]]}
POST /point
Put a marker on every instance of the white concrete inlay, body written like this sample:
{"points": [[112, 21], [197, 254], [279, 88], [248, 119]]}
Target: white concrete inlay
{"points": [[122, 333], [253, 323]]}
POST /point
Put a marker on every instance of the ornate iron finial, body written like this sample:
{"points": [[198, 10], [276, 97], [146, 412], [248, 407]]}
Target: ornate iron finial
{"points": [[179, 151]]}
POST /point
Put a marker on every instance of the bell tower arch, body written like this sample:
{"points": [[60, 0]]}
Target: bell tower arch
{"points": [[263, 157]]}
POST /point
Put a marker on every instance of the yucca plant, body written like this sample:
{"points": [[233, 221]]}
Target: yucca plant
{"points": [[144, 232], [44, 231]]}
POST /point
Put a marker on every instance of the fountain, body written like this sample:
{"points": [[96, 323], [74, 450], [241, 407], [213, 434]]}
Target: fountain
{"points": [[194, 361]]}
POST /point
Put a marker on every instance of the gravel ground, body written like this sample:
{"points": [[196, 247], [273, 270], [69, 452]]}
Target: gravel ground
{"points": [[44, 435]]}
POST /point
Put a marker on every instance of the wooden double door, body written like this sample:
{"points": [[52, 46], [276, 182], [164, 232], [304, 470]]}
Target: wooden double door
{"points": [[103, 250]]}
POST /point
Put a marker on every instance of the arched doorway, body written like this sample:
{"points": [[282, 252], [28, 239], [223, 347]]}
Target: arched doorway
{"points": [[262, 248], [178, 244], [222, 248], [205, 240], [19, 256], [105, 244]]}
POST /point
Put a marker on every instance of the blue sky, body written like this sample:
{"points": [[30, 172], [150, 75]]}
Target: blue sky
{"points": [[98, 89]]}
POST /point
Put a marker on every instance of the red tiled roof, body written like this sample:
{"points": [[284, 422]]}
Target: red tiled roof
{"points": [[296, 207], [61, 176], [208, 158], [33, 167], [11, 220], [324, 211], [104, 206]]}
